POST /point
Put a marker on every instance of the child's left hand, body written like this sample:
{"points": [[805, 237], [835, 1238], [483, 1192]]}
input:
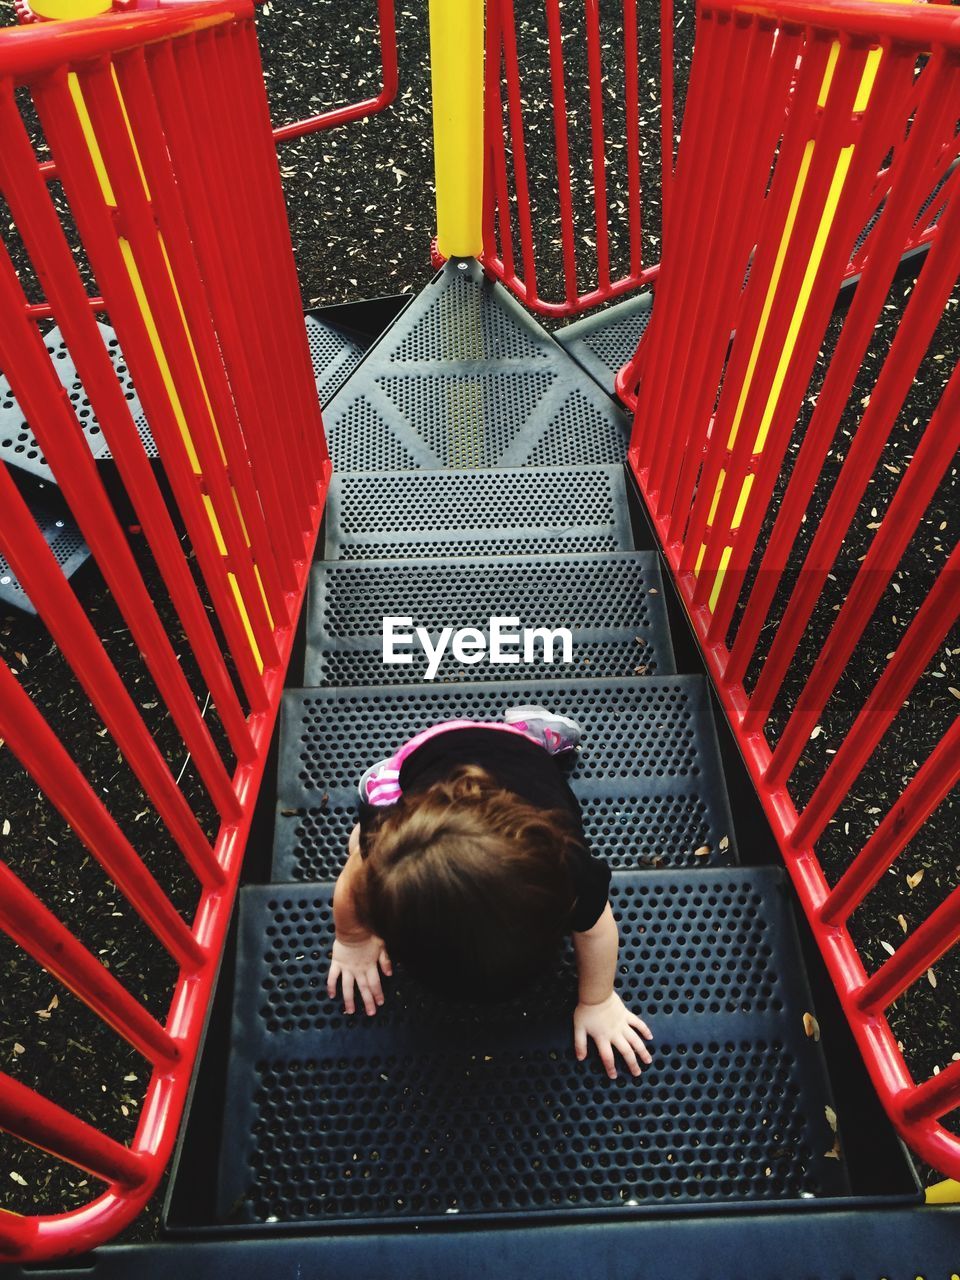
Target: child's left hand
{"points": [[611, 1026]]}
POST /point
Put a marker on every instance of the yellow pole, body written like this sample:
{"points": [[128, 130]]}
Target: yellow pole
{"points": [[66, 9], [456, 58]]}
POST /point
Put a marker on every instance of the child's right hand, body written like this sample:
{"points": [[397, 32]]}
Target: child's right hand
{"points": [[355, 964]]}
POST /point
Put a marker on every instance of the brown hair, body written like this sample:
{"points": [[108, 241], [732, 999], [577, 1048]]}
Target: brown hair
{"points": [[470, 887]]}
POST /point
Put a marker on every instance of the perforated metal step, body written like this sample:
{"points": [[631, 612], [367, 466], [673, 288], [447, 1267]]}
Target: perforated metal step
{"points": [[433, 1108], [611, 606], [64, 540], [463, 379], [525, 511], [648, 775], [335, 354], [603, 343]]}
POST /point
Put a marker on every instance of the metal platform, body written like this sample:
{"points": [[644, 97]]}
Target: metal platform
{"points": [[602, 343], [65, 541], [611, 604], [466, 379], [524, 511], [431, 1109], [335, 355], [648, 775], [18, 445]]}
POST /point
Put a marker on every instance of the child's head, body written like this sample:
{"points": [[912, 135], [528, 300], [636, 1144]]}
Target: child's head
{"points": [[469, 887]]}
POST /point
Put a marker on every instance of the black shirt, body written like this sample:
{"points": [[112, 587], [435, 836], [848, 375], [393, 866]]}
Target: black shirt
{"points": [[517, 765]]}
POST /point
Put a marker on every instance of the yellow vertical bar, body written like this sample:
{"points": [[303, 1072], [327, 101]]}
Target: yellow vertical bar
{"points": [[456, 61]]}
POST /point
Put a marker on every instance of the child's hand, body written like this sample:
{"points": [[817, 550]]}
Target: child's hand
{"points": [[611, 1026], [355, 963]]}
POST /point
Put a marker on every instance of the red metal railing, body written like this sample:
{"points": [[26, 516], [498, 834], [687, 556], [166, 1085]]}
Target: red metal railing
{"points": [[155, 121], [369, 106], [780, 175], [520, 268]]}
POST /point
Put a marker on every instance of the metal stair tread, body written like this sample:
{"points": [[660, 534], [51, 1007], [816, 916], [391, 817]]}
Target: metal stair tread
{"points": [[465, 379], [433, 1108], [617, 595], [648, 776], [377, 514]]}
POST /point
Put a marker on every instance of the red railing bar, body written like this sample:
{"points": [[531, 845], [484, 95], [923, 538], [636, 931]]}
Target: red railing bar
{"points": [[507, 26], [930, 625], [564, 188], [666, 317], [235, 230], [141, 108], [855, 336], [46, 407], [230, 118], [216, 252], [369, 107], [45, 242], [28, 53], [37, 747], [914, 26], [935, 1097], [934, 454], [928, 787], [26, 550], [53, 1235], [142, 228], [96, 222], [244, 57], [497, 198], [37, 1120], [920, 320], [931, 938], [631, 95], [583, 303], [38, 931], [839, 127], [226, 115], [597, 142], [44, 311], [752, 136]]}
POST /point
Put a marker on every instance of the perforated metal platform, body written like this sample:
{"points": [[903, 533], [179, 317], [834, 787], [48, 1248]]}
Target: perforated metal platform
{"points": [[523, 511], [612, 606], [465, 378], [432, 1109], [18, 445], [648, 776], [335, 354], [64, 540], [603, 343]]}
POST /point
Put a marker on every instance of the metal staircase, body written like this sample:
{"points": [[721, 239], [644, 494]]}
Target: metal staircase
{"points": [[427, 1111]]}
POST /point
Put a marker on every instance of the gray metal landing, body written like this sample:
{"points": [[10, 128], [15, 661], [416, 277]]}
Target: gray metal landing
{"points": [[464, 378], [603, 343]]}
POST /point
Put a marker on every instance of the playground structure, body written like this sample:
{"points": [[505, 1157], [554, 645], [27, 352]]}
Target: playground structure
{"points": [[770, 213]]}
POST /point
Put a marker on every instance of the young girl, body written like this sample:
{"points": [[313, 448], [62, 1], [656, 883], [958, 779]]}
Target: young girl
{"points": [[468, 865]]}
